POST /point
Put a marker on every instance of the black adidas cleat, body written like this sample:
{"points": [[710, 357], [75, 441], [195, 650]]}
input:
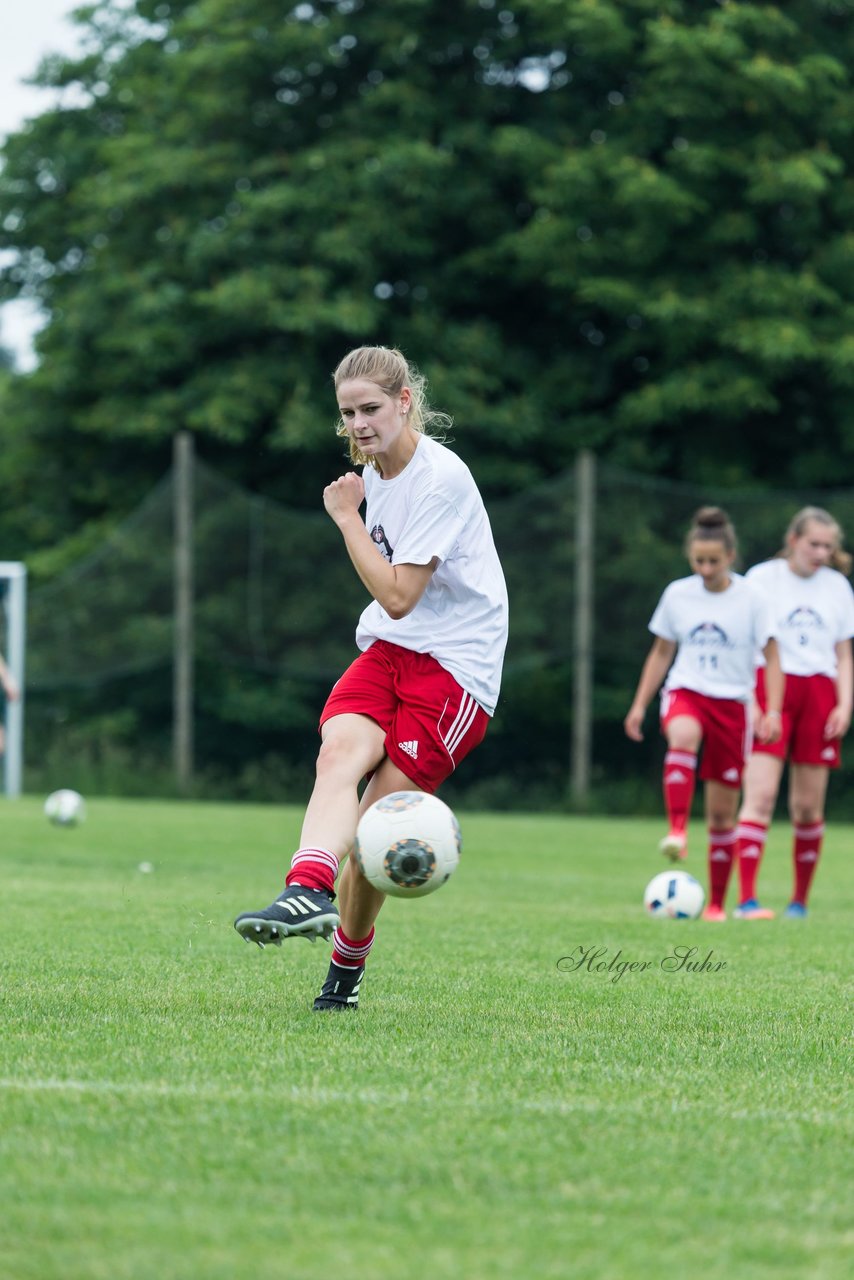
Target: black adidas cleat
{"points": [[297, 912], [341, 988]]}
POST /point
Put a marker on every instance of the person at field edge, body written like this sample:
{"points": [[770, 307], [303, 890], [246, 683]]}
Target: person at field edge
{"points": [[419, 696], [813, 610], [8, 689], [707, 630]]}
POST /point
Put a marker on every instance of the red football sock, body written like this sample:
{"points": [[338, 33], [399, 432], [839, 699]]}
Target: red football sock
{"points": [[313, 869], [805, 855], [749, 849], [349, 953], [680, 775], [721, 858]]}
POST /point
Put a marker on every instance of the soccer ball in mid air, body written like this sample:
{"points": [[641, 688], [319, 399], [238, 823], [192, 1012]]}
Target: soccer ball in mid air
{"points": [[674, 895], [65, 808], [408, 844]]}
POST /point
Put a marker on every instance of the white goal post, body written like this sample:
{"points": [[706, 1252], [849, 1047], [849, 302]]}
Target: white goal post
{"points": [[13, 598]]}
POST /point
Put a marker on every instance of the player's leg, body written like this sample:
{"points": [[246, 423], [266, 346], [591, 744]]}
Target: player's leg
{"points": [[813, 756], [721, 805], [684, 734], [762, 776], [352, 745], [434, 727], [360, 904], [807, 798], [726, 743]]}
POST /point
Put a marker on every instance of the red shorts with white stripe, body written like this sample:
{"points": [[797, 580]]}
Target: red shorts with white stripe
{"points": [[807, 703], [430, 722], [727, 731]]}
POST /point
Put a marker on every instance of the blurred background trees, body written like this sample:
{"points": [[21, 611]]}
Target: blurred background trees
{"points": [[622, 226]]}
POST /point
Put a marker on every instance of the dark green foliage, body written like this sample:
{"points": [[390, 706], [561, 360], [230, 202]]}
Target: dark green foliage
{"points": [[618, 225], [625, 226]]}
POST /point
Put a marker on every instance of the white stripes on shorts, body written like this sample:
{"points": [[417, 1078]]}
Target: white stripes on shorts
{"points": [[460, 725]]}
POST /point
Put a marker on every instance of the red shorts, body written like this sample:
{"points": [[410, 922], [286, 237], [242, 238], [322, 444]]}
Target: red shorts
{"points": [[430, 722], [807, 703], [726, 727]]}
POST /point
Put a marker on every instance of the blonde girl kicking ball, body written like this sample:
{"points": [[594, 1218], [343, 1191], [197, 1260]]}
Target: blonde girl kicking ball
{"points": [[708, 628], [420, 694]]}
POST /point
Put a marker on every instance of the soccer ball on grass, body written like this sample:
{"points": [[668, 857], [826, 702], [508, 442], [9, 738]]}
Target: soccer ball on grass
{"points": [[674, 895], [407, 844], [65, 808]]}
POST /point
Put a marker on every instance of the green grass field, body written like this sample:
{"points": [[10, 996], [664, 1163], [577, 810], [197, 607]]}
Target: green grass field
{"points": [[170, 1107]]}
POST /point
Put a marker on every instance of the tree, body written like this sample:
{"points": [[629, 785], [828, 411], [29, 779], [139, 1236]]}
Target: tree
{"points": [[621, 225], [702, 230], [616, 225]]}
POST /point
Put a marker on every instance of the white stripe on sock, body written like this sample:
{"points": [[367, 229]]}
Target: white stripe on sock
{"points": [[324, 856], [343, 948]]}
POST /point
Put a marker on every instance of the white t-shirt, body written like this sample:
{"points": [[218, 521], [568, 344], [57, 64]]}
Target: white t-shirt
{"points": [[811, 615], [433, 508], [718, 633]]}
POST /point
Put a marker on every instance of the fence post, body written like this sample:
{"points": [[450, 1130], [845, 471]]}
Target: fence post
{"points": [[582, 664], [183, 664]]}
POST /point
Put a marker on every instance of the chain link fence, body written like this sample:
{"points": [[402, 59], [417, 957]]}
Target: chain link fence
{"points": [[274, 605]]}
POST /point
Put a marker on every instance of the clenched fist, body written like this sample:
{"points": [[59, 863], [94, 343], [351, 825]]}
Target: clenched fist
{"points": [[344, 496]]}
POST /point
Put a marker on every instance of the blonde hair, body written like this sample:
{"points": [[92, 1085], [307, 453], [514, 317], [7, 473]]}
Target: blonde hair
{"points": [[839, 559], [389, 369], [711, 524]]}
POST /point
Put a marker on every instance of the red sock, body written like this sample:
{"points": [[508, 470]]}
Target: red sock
{"points": [[346, 952], [749, 849], [680, 774], [313, 869], [805, 854], [721, 858]]}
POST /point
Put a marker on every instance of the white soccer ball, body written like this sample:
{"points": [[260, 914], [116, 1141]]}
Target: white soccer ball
{"points": [[674, 895], [65, 808], [408, 844]]}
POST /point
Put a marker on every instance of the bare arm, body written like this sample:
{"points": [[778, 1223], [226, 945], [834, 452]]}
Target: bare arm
{"points": [[652, 675], [8, 681], [769, 724], [396, 587], [839, 720]]}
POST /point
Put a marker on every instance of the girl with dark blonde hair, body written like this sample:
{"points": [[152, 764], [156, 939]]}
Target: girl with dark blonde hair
{"points": [[813, 608], [419, 696]]}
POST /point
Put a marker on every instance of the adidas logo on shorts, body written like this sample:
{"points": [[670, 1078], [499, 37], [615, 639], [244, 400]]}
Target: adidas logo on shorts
{"points": [[410, 747], [730, 775]]}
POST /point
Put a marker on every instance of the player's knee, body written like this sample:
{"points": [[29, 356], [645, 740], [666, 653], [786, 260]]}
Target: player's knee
{"points": [[806, 815], [760, 803], [761, 788], [720, 819], [339, 755]]}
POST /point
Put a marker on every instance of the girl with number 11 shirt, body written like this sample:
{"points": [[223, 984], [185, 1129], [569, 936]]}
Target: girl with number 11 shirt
{"points": [[707, 630]]}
